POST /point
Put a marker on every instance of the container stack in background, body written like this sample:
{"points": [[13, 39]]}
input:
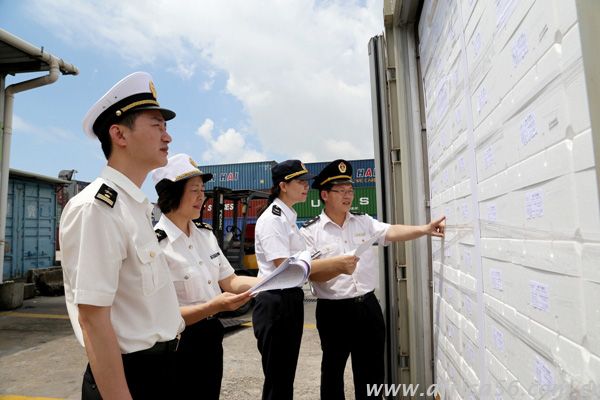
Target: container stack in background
{"points": [[257, 176], [511, 164]]}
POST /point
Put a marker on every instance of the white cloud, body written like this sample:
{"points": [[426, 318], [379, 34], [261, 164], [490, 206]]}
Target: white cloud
{"points": [[299, 67], [205, 130], [227, 147], [46, 134]]}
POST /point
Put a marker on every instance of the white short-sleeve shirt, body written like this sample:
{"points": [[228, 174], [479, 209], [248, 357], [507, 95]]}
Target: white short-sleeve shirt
{"points": [[276, 236], [111, 258], [196, 263], [330, 240]]}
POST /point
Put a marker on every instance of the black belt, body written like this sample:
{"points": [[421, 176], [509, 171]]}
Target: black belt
{"points": [[358, 299], [161, 347]]}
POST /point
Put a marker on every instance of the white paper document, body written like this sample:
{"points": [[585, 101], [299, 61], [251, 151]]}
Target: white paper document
{"points": [[291, 273], [366, 245]]}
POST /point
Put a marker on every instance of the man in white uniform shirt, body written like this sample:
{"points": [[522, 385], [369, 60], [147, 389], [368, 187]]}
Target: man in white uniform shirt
{"points": [[120, 300], [349, 318]]}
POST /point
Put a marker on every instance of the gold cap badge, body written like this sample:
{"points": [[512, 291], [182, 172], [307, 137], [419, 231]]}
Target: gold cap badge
{"points": [[153, 90], [342, 167]]}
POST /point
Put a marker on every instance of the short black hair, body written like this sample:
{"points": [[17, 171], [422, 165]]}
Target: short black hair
{"points": [[170, 195], [127, 120], [327, 187]]}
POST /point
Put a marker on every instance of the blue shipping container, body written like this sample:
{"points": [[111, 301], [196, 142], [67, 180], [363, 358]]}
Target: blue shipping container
{"points": [[363, 171], [30, 224], [254, 175]]}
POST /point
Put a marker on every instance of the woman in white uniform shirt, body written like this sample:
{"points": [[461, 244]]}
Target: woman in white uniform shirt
{"points": [[198, 270], [278, 316]]}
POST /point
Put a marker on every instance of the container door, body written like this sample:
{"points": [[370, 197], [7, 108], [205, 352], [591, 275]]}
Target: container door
{"points": [[14, 231]]}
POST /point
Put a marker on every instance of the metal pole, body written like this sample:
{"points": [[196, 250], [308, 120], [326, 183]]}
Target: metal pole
{"points": [[9, 97]]}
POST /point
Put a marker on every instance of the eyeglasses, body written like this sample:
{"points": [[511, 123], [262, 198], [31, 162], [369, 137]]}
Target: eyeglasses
{"points": [[349, 192]]}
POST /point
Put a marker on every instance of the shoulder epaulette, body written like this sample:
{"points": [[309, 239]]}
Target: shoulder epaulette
{"points": [[107, 195], [160, 234], [357, 213], [276, 210], [202, 225], [311, 221]]}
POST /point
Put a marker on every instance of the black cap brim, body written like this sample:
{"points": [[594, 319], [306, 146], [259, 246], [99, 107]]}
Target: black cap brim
{"points": [[166, 113]]}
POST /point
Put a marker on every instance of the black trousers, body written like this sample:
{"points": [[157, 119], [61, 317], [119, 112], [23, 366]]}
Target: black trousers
{"points": [[351, 327], [278, 321], [199, 361], [149, 374]]}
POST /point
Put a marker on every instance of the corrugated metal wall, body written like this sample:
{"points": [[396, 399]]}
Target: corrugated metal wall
{"points": [[363, 171], [254, 176], [364, 201]]}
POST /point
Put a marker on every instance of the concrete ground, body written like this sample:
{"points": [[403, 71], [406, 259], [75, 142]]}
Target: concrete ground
{"points": [[40, 357]]}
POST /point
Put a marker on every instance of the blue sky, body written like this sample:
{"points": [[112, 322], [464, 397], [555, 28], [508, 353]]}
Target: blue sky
{"points": [[249, 81]]}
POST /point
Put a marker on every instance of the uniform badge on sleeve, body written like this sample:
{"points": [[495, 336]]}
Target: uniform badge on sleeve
{"points": [[160, 234], [212, 256], [311, 221], [107, 195], [276, 210], [202, 225]]}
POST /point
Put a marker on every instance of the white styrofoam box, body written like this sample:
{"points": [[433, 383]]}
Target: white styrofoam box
{"points": [[436, 283], [591, 294], [546, 209], [593, 374], [546, 165], [553, 300], [462, 164], [498, 210], [484, 97], [439, 314], [470, 352], [532, 333], [461, 111], [469, 283], [453, 332], [479, 36], [586, 186], [583, 151], [499, 341], [539, 31], [465, 214], [500, 248], [452, 295], [470, 309], [576, 97], [531, 368], [503, 384], [572, 359], [549, 120], [590, 254], [470, 346], [494, 155], [466, 259], [508, 14], [462, 189], [563, 257], [494, 186], [467, 8]]}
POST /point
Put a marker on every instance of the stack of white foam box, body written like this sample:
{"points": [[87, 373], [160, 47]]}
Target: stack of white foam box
{"points": [[517, 307]]}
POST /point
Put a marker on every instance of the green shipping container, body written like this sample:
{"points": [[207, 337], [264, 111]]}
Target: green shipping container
{"points": [[364, 201]]}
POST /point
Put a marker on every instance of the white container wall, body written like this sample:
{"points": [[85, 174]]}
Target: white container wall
{"points": [[516, 297]]}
